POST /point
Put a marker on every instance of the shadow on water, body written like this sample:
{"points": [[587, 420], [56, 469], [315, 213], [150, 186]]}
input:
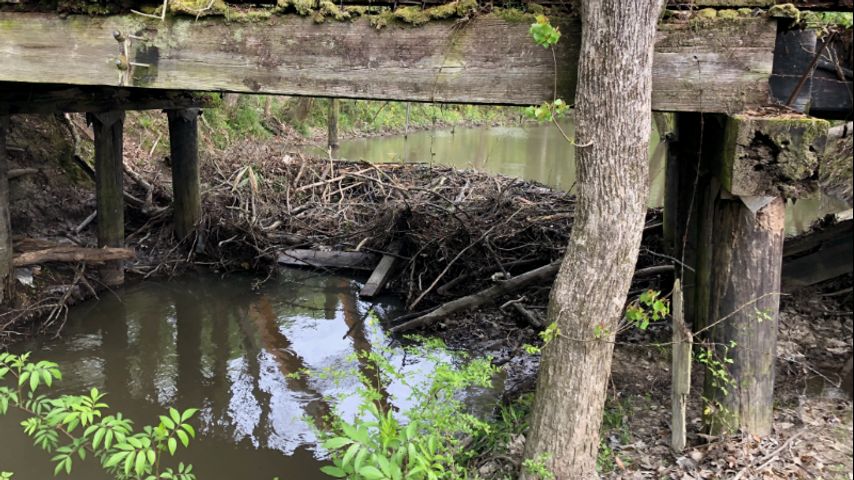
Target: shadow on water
{"points": [[216, 344]]}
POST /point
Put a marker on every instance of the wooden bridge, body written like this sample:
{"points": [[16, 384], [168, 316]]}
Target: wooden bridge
{"points": [[739, 75]]}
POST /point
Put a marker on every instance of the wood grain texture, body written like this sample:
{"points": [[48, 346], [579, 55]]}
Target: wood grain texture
{"points": [[721, 67], [680, 386]]}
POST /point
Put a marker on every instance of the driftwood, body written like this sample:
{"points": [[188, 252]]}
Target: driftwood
{"points": [[489, 295], [72, 254], [542, 274]]}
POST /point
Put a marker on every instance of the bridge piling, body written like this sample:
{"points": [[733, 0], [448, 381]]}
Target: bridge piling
{"points": [[757, 162], [108, 128], [184, 149]]}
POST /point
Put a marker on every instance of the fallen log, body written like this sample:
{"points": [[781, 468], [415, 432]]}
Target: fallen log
{"points": [[72, 254], [543, 274]]}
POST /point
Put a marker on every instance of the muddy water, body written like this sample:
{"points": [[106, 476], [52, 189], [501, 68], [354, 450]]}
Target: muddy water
{"points": [[216, 344], [534, 152]]}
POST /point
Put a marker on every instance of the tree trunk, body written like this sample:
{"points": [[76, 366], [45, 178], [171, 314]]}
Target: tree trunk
{"points": [[612, 132]]}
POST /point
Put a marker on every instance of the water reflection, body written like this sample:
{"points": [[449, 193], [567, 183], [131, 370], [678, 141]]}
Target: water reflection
{"points": [[538, 153], [216, 344], [532, 152]]}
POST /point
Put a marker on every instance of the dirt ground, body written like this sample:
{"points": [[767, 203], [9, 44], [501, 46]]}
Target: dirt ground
{"points": [[813, 414]]}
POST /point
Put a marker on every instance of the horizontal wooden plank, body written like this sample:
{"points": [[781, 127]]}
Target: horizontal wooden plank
{"points": [[323, 259], [48, 98], [718, 67]]}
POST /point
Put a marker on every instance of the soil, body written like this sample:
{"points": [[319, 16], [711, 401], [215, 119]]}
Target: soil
{"points": [[245, 225]]}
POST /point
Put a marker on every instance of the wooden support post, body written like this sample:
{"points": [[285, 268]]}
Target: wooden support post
{"points": [[745, 300], [108, 128], [688, 183], [680, 386], [332, 123], [184, 149], [7, 277]]}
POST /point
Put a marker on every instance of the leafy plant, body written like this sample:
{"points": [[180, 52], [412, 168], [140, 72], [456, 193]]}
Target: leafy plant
{"points": [[74, 427], [427, 441], [537, 467], [649, 307], [543, 33]]}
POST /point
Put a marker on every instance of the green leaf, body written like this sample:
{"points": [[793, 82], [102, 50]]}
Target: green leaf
{"points": [[172, 444], [188, 413], [182, 435], [371, 473], [336, 443], [167, 422], [333, 471]]}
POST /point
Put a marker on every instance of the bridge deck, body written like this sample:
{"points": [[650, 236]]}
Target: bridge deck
{"points": [[720, 66]]}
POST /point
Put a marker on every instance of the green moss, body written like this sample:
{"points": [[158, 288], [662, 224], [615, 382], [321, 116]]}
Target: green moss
{"points": [[248, 16], [786, 10], [382, 19], [535, 9], [513, 15], [329, 9], [357, 10], [728, 14], [198, 8], [707, 14], [411, 15]]}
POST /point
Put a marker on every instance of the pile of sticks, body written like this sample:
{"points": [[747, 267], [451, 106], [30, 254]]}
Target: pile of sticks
{"points": [[453, 232]]}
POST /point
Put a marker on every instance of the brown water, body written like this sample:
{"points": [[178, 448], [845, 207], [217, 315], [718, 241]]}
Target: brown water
{"points": [[216, 344], [535, 152]]}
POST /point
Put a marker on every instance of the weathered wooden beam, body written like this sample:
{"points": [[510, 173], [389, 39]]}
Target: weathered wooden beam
{"points": [[6, 269], [680, 386], [49, 98], [772, 155], [184, 150], [719, 66], [744, 303], [381, 275], [837, 5], [319, 259], [73, 254], [108, 128]]}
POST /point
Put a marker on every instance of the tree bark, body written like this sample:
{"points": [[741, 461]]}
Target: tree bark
{"points": [[613, 120]]}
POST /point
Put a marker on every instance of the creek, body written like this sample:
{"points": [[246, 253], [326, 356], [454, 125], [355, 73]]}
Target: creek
{"points": [[223, 346], [539, 153]]}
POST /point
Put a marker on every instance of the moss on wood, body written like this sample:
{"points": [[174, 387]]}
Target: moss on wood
{"points": [[774, 156]]}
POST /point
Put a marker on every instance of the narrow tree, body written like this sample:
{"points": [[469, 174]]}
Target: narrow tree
{"points": [[612, 118]]}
